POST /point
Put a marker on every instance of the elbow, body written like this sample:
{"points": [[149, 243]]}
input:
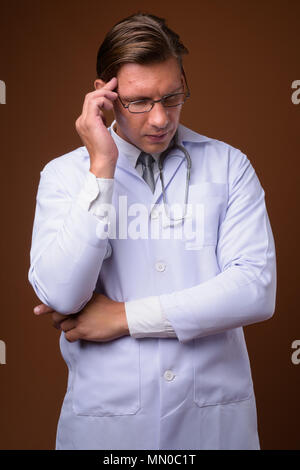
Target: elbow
{"points": [[267, 312], [64, 308], [59, 304], [59, 299], [63, 303], [267, 302]]}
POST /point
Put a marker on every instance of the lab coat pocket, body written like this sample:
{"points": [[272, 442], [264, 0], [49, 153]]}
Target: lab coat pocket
{"points": [[222, 369], [206, 206], [107, 378]]}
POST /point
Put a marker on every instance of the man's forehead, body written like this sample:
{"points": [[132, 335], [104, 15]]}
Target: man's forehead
{"points": [[142, 78]]}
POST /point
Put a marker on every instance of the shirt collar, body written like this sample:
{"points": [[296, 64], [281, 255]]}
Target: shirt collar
{"points": [[131, 151]]}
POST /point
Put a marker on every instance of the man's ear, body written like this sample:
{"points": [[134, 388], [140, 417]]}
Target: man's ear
{"points": [[98, 83]]}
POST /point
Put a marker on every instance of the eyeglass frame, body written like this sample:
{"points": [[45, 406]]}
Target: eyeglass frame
{"points": [[187, 95]]}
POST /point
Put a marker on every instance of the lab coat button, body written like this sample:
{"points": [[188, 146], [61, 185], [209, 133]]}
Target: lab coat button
{"points": [[169, 375], [160, 266]]}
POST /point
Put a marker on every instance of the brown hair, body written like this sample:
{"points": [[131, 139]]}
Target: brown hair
{"points": [[140, 38]]}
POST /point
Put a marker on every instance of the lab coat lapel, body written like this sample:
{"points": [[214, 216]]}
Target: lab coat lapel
{"points": [[131, 183], [124, 165]]}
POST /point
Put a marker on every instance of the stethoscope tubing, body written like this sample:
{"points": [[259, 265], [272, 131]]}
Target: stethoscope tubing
{"points": [[161, 161]]}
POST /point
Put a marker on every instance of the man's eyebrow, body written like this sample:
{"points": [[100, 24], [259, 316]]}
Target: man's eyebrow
{"points": [[137, 98]]}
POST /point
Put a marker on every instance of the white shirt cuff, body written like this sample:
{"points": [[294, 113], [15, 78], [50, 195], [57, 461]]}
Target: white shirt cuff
{"points": [[146, 319], [95, 194]]}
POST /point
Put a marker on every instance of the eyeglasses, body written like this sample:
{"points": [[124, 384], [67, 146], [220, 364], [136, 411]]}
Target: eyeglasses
{"points": [[168, 101]]}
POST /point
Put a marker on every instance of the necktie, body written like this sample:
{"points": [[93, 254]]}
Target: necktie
{"points": [[147, 161]]}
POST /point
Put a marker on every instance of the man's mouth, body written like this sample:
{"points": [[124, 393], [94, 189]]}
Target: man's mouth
{"points": [[156, 137]]}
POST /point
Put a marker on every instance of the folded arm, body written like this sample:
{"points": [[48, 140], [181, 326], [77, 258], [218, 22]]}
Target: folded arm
{"points": [[68, 242], [245, 289], [242, 293]]}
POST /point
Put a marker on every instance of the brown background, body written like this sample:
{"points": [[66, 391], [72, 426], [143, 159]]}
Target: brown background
{"points": [[244, 56]]}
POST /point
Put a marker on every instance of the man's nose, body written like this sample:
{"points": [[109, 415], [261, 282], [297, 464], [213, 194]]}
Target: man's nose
{"points": [[158, 116]]}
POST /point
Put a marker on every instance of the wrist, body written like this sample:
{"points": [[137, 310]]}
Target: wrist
{"points": [[123, 320], [103, 172]]}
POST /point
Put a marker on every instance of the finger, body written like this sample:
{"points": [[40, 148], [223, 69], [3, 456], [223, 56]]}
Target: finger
{"points": [[59, 317], [72, 335], [102, 92], [112, 84], [95, 95], [80, 123], [68, 324], [101, 103], [94, 107], [41, 309]]}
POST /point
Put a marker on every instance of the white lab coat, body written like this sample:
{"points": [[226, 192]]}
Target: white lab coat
{"points": [[190, 392]]}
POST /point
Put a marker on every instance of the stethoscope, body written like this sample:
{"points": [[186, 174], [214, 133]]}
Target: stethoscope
{"points": [[161, 161]]}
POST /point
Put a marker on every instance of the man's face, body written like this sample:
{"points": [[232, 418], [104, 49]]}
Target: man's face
{"points": [[151, 131]]}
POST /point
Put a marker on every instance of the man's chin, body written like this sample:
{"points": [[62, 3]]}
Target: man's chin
{"points": [[157, 147]]}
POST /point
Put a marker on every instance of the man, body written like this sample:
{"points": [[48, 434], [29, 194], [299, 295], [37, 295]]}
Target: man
{"points": [[152, 284]]}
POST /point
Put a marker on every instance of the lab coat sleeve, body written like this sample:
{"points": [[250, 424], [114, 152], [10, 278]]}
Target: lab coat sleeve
{"points": [[69, 244], [145, 318], [245, 289]]}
